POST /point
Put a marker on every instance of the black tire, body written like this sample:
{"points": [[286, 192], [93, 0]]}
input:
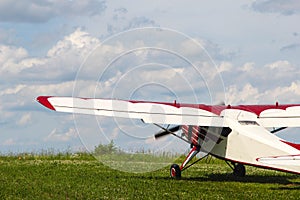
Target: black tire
{"points": [[239, 170], [175, 171]]}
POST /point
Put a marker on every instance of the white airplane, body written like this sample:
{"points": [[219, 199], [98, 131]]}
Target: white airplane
{"points": [[240, 134]]}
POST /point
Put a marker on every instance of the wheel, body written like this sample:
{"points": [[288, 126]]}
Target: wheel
{"points": [[239, 170], [175, 171]]}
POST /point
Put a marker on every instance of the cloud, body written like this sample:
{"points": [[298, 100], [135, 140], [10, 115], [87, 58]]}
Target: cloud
{"points": [[13, 90], [61, 136], [33, 11], [9, 145], [289, 94], [79, 43], [284, 7], [225, 67], [27, 77], [61, 62], [157, 69], [206, 48], [22, 97], [122, 22], [248, 94], [11, 54], [247, 67], [265, 83], [167, 76], [263, 76], [137, 22], [24, 120], [281, 65]]}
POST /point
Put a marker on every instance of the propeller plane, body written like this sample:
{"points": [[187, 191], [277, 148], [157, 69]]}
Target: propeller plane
{"points": [[239, 134]]}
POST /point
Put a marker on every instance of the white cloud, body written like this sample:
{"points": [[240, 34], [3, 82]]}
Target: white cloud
{"points": [[57, 135], [61, 63], [202, 49], [285, 94], [16, 144], [157, 66], [225, 66], [264, 77], [248, 94], [194, 47], [121, 22], [62, 57], [44, 10], [253, 95], [13, 90], [24, 120], [22, 97], [248, 67], [282, 65], [78, 42], [10, 55]]}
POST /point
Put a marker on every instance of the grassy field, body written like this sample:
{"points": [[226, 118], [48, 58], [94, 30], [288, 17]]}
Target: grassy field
{"points": [[82, 177]]}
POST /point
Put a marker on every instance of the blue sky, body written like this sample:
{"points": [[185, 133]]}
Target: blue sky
{"points": [[44, 46]]}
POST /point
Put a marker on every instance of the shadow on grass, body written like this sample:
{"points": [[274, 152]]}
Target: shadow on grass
{"points": [[277, 179], [291, 186], [285, 180]]}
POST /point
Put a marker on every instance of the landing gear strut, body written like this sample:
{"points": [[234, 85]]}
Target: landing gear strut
{"points": [[238, 169], [175, 170]]}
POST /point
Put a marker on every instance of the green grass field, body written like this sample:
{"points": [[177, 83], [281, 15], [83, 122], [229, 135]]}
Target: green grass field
{"points": [[83, 177]]}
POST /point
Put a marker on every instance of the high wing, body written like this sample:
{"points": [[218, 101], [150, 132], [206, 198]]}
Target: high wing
{"points": [[178, 113], [149, 112]]}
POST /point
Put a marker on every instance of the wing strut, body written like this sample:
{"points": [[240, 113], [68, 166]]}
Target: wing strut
{"points": [[169, 131], [166, 131], [278, 129]]}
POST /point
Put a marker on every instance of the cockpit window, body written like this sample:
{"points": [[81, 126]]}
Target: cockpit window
{"points": [[249, 123]]}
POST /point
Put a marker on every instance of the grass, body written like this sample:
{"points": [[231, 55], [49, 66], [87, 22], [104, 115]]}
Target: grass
{"points": [[80, 176]]}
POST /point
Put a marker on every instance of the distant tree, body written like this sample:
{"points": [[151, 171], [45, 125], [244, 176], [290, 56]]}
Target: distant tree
{"points": [[103, 149]]}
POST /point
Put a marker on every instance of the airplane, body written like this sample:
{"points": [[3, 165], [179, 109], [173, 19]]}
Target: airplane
{"points": [[241, 135]]}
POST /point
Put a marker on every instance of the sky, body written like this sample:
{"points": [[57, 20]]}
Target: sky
{"points": [[249, 53]]}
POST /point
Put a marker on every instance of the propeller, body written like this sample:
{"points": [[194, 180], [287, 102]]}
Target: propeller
{"points": [[166, 131]]}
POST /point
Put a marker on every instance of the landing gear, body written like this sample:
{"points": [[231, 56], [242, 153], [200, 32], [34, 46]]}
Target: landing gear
{"points": [[239, 170], [175, 171]]}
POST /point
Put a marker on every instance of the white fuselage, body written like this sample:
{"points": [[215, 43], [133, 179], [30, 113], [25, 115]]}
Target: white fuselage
{"points": [[254, 145]]}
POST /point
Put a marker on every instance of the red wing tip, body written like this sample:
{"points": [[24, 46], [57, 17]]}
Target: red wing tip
{"points": [[44, 101]]}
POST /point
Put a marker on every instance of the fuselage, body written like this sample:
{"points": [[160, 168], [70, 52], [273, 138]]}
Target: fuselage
{"points": [[248, 143]]}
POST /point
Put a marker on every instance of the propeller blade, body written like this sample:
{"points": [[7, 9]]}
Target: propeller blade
{"points": [[167, 132], [161, 134]]}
